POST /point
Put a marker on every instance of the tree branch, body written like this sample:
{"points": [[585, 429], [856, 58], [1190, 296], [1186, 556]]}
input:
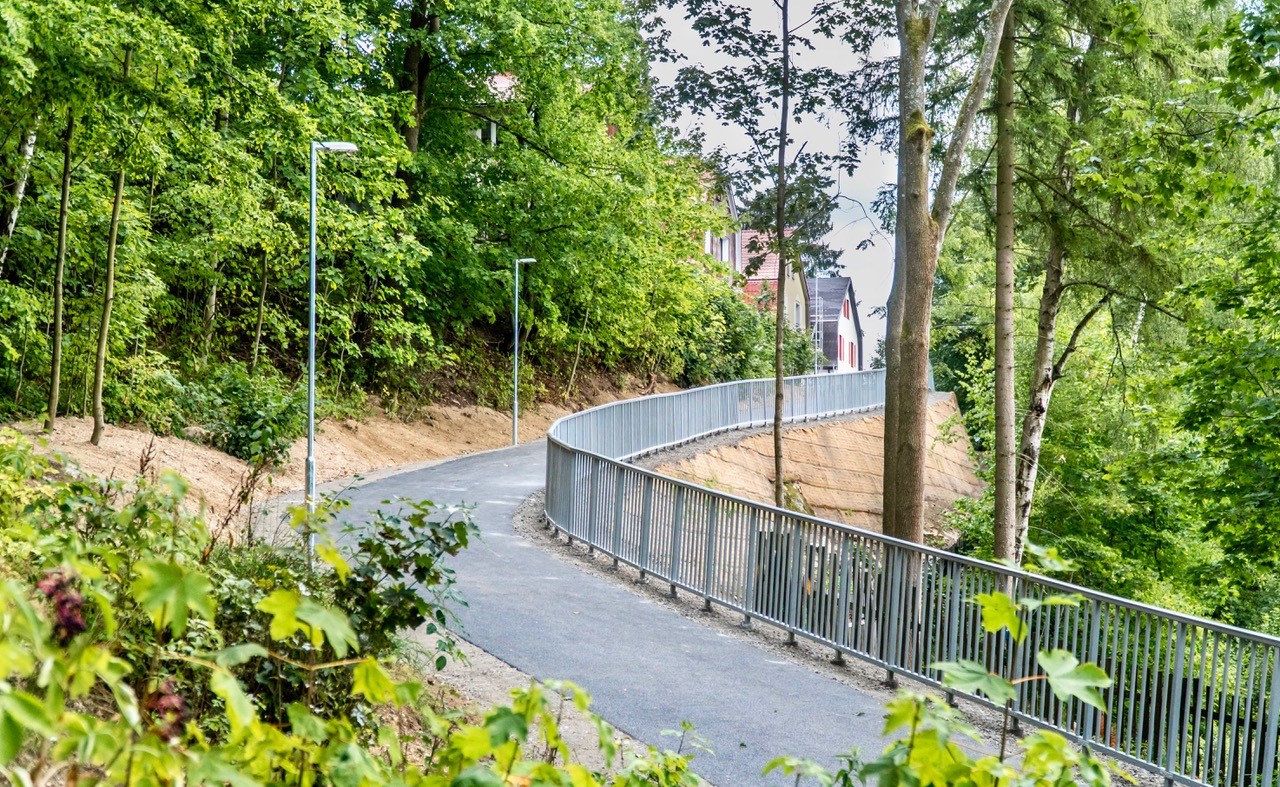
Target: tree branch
{"points": [[524, 140], [1075, 335], [953, 161], [1107, 288]]}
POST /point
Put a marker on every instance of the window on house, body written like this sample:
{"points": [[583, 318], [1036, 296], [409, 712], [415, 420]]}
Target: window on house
{"points": [[853, 355], [489, 133], [840, 348], [724, 250], [846, 308], [706, 242], [796, 321]]}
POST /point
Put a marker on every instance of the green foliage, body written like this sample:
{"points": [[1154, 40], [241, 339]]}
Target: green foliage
{"points": [[133, 650], [254, 417], [808, 218], [416, 233], [400, 580], [734, 341]]}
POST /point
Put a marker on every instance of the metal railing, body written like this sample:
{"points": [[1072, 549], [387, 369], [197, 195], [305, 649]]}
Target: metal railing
{"points": [[1192, 700]]}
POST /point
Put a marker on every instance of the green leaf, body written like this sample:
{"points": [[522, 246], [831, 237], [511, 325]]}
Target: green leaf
{"points": [[1000, 612], [1069, 678], [330, 623], [11, 735], [240, 710], [29, 712], [505, 725], [972, 677], [329, 554], [291, 612], [211, 768], [477, 776], [236, 655], [472, 743], [372, 681], [305, 724], [282, 606], [349, 765], [169, 593], [903, 712], [1047, 560]]}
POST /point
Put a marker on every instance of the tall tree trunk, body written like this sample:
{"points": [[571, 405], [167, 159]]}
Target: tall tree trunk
{"points": [[262, 310], [59, 265], [416, 70], [27, 151], [919, 233], [780, 227], [108, 289], [1006, 532], [1044, 376], [913, 240]]}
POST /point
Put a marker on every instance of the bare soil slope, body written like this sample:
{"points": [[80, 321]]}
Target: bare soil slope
{"points": [[343, 449], [834, 470]]}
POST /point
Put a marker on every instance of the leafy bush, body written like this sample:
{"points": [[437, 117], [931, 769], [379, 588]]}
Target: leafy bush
{"points": [[144, 390], [254, 417], [399, 579], [22, 347], [732, 340]]}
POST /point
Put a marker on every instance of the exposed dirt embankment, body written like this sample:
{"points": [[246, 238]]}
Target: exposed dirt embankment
{"points": [[834, 469], [343, 449]]}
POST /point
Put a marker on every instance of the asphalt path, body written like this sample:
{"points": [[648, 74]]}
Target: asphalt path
{"points": [[647, 667]]}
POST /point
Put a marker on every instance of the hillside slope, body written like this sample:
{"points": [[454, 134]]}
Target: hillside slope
{"points": [[834, 470]]}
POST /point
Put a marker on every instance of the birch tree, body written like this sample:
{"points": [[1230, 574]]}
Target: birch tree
{"points": [[25, 154]]}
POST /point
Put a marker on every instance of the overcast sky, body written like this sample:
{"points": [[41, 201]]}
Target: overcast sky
{"points": [[870, 269]]}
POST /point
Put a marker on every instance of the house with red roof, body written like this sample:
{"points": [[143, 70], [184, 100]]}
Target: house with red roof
{"points": [[759, 265]]}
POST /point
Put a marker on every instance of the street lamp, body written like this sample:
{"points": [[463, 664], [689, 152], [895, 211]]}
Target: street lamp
{"points": [[316, 147], [515, 355]]}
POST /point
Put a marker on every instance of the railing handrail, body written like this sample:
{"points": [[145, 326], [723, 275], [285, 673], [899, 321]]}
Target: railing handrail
{"points": [[1009, 571], [581, 481]]}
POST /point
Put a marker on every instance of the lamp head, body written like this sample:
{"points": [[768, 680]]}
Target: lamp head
{"points": [[336, 147], [526, 260]]}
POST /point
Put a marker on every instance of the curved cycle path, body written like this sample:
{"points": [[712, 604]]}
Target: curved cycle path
{"points": [[647, 667]]}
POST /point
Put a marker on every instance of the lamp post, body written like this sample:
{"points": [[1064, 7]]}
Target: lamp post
{"points": [[316, 147], [515, 355]]}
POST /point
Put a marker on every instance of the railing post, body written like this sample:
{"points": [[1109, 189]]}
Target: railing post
{"points": [[840, 616], [592, 507], [1095, 631], [619, 486], [753, 539], [1273, 716], [708, 566], [795, 579], [677, 527], [1173, 731], [646, 523]]}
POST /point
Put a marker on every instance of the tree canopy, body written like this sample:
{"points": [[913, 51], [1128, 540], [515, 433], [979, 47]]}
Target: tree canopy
{"points": [[486, 132]]}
